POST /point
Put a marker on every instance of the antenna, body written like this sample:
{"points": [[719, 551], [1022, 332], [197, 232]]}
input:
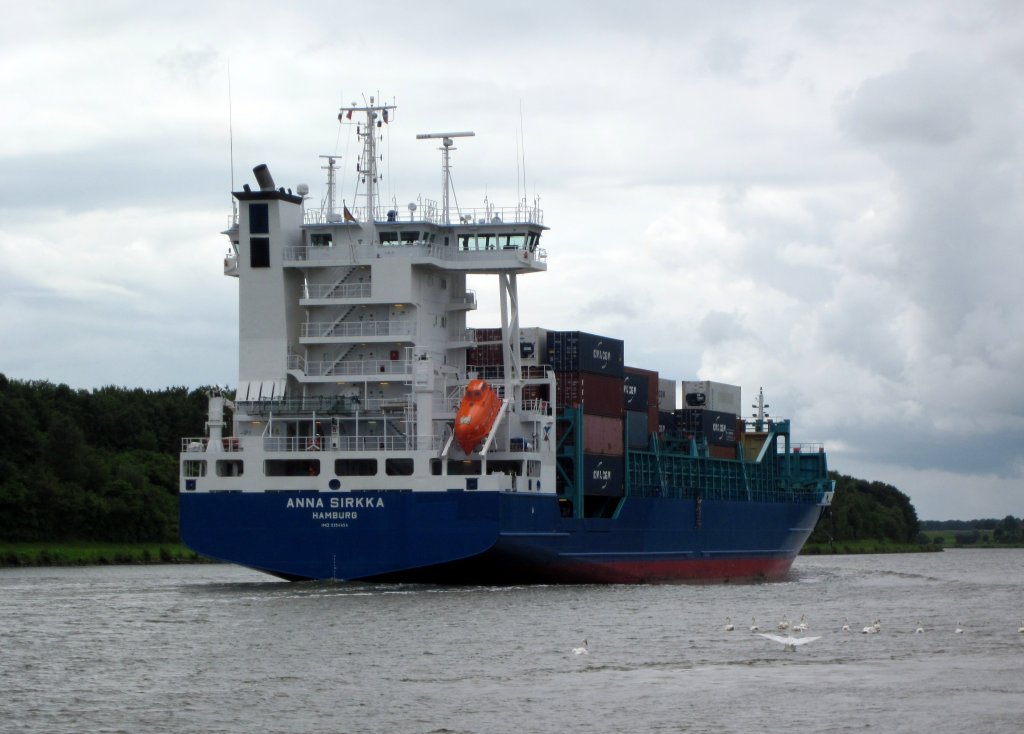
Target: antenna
{"points": [[376, 114], [329, 198], [231, 148], [446, 171]]}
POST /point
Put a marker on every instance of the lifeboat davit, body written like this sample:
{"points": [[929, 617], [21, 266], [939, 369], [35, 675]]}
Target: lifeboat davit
{"points": [[477, 413]]}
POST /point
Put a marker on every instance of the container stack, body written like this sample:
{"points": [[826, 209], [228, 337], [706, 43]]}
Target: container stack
{"points": [[589, 375], [640, 395], [666, 407], [710, 413]]}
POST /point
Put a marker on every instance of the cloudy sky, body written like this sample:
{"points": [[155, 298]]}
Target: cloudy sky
{"points": [[823, 199]]}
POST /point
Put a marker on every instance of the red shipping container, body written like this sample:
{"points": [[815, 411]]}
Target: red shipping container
{"points": [[602, 435], [598, 394]]}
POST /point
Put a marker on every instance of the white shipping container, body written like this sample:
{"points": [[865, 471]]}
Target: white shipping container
{"points": [[667, 394], [712, 396], [533, 345]]}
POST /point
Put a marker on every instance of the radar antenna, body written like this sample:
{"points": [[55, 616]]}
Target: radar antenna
{"points": [[446, 171], [328, 203]]}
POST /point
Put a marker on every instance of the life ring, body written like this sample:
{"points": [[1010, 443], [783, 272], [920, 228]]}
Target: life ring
{"points": [[313, 445]]}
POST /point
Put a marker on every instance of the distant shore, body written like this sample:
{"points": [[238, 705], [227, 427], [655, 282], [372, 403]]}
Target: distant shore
{"points": [[85, 553]]}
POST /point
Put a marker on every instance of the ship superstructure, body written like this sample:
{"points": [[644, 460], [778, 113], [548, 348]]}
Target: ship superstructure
{"points": [[347, 455]]}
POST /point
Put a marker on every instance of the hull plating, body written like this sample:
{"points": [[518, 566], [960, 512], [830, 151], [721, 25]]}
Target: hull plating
{"points": [[493, 538]]}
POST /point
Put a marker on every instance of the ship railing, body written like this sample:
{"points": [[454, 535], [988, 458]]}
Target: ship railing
{"points": [[497, 371], [404, 327], [322, 405], [349, 367], [329, 290], [427, 211], [807, 448], [419, 248], [348, 444], [199, 444]]}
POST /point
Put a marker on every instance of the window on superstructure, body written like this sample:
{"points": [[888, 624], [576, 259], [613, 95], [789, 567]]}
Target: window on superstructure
{"points": [[194, 469], [409, 238], [398, 467], [355, 467], [389, 238], [320, 239], [259, 252], [259, 219], [229, 468]]}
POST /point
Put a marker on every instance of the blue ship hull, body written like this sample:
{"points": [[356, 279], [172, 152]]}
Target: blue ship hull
{"points": [[494, 537]]}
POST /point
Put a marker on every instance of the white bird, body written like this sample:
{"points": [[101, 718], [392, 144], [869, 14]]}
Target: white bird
{"points": [[783, 623], [582, 650], [873, 628], [802, 624], [728, 625], [1021, 628], [959, 629], [755, 628], [919, 629], [846, 624], [790, 642]]}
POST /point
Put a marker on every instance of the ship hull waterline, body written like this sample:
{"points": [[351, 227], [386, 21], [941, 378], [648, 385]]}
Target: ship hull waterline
{"points": [[494, 538]]}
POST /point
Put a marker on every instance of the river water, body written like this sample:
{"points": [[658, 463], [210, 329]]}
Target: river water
{"points": [[215, 648]]}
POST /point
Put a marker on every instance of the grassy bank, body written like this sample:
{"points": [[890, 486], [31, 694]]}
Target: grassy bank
{"points": [[866, 546], [75, 553]]}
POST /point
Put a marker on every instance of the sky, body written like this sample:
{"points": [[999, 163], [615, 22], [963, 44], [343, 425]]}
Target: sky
{"points": [[825, 200]]}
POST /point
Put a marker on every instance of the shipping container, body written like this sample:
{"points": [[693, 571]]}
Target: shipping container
{"points": [[602, 435], [533, 346], [637, 435], [667, 394], [715, 426], [667, 422], [641, 388], [712, 396], [578, 351], [603, 476], [634, 391], [598, 394], [721, 452]]}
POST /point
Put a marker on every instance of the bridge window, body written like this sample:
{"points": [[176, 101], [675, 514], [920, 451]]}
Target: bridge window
{"points": [[320, 239]]}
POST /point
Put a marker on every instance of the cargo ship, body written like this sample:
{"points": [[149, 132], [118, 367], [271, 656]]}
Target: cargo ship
{"points": [[375, 436]]}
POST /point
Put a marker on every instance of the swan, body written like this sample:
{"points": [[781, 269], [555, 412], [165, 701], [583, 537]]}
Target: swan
{"points": [[728, 625], [919, 629], [959, 628], [1021, 628], [873, 628], [846, 624], [802, 624], [582, 650], [789, 642], [755, 628], [783, 623]]}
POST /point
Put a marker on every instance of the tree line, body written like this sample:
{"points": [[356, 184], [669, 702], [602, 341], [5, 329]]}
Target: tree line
{"points": [[92, 465], [863, 510]]}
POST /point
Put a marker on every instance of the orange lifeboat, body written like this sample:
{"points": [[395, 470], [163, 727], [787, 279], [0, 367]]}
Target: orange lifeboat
{"points": [[477, 413]]}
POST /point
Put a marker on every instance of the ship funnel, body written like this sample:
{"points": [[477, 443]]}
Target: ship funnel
{"points": [[263, 177]]}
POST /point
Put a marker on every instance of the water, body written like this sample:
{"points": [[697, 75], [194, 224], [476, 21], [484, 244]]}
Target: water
{"points": [[222, 649]]}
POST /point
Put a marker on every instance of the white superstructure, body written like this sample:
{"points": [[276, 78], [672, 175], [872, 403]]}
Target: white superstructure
{"points": [[353, 342]]}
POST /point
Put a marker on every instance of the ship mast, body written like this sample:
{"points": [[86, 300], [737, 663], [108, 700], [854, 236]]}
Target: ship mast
{"points": [[446, 169], [376, 115]]}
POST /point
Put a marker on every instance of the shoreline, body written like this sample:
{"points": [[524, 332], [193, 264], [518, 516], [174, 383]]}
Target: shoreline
{"points": [[90, 553]]}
